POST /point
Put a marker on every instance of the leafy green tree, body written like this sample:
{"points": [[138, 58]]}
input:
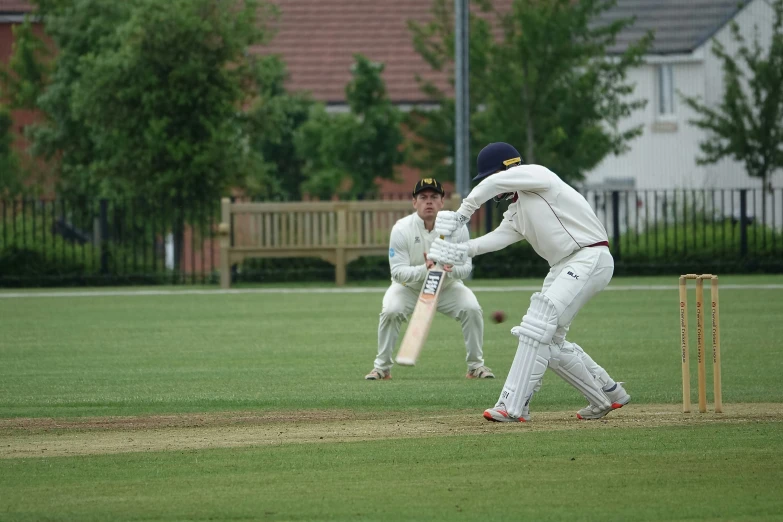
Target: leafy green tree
{"points": [[345, 153], [24, 78], [78, 29], [273, 122], [433, 131], [146, 97], [540, 79], [10, 184], [145, 100], [747, 125]]}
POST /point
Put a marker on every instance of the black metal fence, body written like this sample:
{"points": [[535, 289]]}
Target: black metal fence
{"points": [[106, 242], [119, 242], [742, 222], [676, 230]]}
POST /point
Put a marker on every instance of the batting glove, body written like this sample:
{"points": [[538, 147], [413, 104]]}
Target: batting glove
{"points": [[447, 253], [449, 222]]}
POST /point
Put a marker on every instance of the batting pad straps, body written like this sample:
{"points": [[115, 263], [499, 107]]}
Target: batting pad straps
{"points": [[567, 364], [540, 321]]}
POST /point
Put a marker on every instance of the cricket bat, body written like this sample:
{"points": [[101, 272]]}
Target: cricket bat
{"points": [[421, 319]]}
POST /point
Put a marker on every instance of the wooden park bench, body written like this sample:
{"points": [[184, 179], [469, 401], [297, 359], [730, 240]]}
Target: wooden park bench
{"points": [[335, 231]]}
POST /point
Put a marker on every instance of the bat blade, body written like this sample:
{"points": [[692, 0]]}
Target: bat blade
{"points": [[421, 319]]}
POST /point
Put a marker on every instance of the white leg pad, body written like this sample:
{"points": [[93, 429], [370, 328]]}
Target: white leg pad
{"points": [[530, 363], [535, 389], [540, 321], [597, 371], [567, 364], [533, 353], [526, 406]]}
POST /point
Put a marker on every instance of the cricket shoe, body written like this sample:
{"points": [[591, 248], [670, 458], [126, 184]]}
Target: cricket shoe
{"points": [[482, 372], [499, 414], [378, 375], [591, 412], [618, 396]]}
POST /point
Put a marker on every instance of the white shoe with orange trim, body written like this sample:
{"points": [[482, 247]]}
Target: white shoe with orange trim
{"points": [[499, 414], [591, 412], [618, 396]]}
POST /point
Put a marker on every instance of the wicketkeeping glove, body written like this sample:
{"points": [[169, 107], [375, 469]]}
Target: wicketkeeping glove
{"points": [[447, 253], [449, 222]]}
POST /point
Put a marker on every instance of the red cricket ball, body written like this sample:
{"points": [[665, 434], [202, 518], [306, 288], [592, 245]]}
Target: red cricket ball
{"points": [[498, 316]]}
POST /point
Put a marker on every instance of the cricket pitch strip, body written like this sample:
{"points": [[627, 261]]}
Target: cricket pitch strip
{"points": [[46, 437]]}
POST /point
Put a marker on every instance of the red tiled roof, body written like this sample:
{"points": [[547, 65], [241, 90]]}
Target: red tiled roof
{"points": [[318, 39], [15, 6]]}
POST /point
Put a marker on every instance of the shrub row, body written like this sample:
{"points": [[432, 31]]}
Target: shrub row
{"points": [[47, 259]]}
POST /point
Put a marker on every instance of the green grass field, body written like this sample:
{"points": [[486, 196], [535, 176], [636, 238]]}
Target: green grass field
{"points": [[252, 406]]}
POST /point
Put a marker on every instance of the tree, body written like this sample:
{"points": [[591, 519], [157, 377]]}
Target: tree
{"points": [[82, 29], [431, 144], [747, 125], [354, 148], [22, 80], [273, 122], [10, 184], [147, 97], [25, 76], [540, 79]]}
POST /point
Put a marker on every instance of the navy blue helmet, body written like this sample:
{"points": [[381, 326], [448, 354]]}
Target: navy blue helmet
{"points": [[496, 157]]}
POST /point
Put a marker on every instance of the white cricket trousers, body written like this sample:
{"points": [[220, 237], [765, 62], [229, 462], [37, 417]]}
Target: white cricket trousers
{"points": [[456, 301], [570, 284]]}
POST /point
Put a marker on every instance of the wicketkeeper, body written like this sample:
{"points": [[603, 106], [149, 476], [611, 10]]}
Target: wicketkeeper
{"points": [[411, 238], [562, 228]]}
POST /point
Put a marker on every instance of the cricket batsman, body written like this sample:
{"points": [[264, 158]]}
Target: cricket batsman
{"points": [[411, 238], [562, 228]]}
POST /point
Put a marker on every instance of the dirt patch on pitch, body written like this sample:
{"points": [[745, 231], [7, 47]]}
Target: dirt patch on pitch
{"points": [[108, 435]]}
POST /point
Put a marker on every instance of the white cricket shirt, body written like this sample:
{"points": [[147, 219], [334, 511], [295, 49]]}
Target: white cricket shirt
{"points": [[409, 241], [553, 217]]}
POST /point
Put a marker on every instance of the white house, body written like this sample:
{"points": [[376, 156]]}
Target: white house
{"points": [[681, 62]]}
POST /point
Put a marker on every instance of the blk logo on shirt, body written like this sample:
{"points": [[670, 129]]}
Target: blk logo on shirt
{"points": [[573, 275]]}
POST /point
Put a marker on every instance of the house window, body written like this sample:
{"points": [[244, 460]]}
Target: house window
{"points": [[665, 90]]}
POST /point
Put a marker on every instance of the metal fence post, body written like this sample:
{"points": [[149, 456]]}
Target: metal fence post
{"points": [[616, 223], [103, 232], [743, 222]]}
